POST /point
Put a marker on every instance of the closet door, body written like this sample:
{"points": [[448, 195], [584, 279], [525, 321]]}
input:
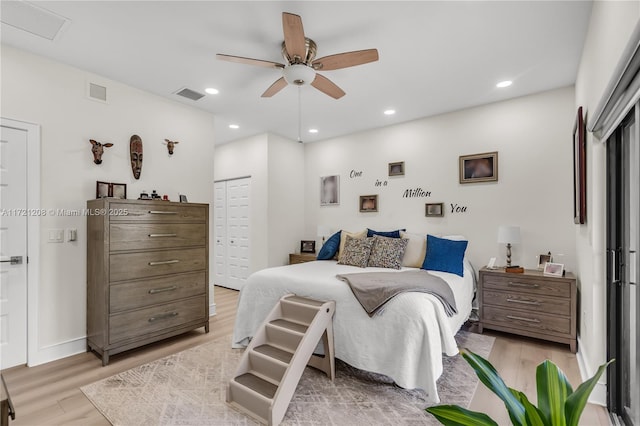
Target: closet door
{"points": [[220, 233], [238, 244]]}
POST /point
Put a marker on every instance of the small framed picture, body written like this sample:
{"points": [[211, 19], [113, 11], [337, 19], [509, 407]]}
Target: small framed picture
{"points": [[543, 259], [183, 199], [434, 209], [396, 169], [307, 246], [368, 203], [102, 189], [119, 190], [554, 269], [330, 190], [479, 167]]}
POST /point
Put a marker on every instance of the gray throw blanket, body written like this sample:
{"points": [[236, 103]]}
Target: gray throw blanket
{"points": [[374, 289]]}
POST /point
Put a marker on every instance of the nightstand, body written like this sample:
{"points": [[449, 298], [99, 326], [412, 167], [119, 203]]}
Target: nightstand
{"points": [[301, 258], [530, 304]]}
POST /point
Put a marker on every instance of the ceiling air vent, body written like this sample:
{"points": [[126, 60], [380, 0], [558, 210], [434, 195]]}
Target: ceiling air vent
{"points": [[97, 92], [189, 94], [32, 19]]}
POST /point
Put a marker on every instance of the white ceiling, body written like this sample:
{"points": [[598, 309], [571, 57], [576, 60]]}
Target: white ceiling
{"points": [[434, 56]]}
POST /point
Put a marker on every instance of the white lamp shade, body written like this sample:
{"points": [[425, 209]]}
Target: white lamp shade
{"points": [[323, 231], [509, 234]]}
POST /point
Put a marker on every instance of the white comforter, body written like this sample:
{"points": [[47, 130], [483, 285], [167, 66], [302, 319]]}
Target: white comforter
{"points": [[405, 341]]}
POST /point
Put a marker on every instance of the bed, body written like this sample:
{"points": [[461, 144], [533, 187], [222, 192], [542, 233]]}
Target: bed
{"points": [[404, 341]]}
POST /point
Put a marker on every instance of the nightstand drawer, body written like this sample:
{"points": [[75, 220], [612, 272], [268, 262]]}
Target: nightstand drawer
{"points": [[527, 320], [529, 302], [527, 284]]}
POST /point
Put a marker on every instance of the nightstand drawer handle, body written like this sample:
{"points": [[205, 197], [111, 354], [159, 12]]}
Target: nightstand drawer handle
{"points": [[164, 262], [163, 316], [524, 302], [162, 289], [511, 283], [523, 319], [161, 212], [162, 235]]}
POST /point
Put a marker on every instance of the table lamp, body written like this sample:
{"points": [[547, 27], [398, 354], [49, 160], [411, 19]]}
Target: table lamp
{"points": [[323, 231], [509, 235]]}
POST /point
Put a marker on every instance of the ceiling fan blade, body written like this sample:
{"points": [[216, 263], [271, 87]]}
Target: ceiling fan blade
{"points": [[279, 84], [294, 40], [345, 60], [327, 87], [249, 61]]}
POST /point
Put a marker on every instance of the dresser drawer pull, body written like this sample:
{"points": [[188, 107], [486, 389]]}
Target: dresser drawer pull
{"points": [[162, 235], [523, 319], [524, 302], [511, 283], [163, 289], [161, 212], [164, 262], [163, 316]]}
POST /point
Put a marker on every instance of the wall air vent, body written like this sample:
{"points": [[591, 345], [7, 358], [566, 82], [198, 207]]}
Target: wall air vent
{"points": [[189, 94], [32, 19], [97, 92]]}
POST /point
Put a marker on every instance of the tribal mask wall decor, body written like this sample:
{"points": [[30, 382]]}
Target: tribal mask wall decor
{"points": [[170, 145], [135, 150], [97, 149]]}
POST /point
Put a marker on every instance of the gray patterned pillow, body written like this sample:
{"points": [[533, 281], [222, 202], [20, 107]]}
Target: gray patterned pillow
{"points": [[356, 252], [387, 252]]}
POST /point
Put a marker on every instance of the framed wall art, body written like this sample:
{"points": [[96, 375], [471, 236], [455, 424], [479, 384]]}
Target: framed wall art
{"points": [[368, 203], [330, 190], [434, 209], [579, 170], [396, 169], [479, 167]]}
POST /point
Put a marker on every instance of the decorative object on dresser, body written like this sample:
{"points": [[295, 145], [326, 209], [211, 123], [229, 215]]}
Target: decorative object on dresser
{"points": [[579, 170], [183, 198], [147, 272], [295, 258], [170, 145], [434, 209], [543, 259], [479, 167], [554, 269], [111, 190], [97, 149], [307, 246], [509, 235], [368, 203], [135, 152], [529, 304], [396, 169]]}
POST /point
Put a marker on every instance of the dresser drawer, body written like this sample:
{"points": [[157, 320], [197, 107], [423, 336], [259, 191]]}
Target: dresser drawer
{"points": [[527, 284], [142, 322], [526, 320], [142, 236], [131, 266], [527, 301], [139, 294], [159, 211]]}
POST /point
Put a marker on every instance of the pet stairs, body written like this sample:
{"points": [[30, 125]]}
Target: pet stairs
{"points": [[278, 354]]}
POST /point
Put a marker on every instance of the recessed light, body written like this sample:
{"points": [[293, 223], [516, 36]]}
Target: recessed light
{"points": [[313, 130], [234, 126], [504, 84], [389, 112], [212, 91]]}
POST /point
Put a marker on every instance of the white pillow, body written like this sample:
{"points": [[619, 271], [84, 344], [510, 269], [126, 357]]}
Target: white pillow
{"points": [[416, 250], [343, 239]]}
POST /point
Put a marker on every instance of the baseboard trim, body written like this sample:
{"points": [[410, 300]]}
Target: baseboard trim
{"points": [[599, 394], [212, 310], [58, 351]]}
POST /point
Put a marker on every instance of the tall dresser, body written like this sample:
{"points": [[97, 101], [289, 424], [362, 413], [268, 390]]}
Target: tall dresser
{"points": [[147, 272]]}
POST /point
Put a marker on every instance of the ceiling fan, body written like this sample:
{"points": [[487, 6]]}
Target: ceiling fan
{"points": [[301, 65]]}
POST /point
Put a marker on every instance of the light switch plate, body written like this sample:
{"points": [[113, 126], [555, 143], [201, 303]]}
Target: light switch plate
{"points": [[72, 234], [56, 236]]}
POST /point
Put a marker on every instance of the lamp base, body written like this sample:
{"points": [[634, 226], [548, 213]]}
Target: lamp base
{"points": [[508, 255]]}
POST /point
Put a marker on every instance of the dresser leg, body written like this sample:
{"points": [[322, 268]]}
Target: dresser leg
{"points": [[480, 328], [105, 358], [206, 327], [573, 346]]}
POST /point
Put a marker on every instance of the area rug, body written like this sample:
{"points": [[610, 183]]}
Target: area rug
{"points": [[188, 389]]}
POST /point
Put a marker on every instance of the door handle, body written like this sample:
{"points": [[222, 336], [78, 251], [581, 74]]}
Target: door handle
{"points": [[14, 260]]}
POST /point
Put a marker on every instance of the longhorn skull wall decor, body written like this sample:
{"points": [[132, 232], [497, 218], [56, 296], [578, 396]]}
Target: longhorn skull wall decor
{"points": [[135, 151], [170, 145], [97, 149]]}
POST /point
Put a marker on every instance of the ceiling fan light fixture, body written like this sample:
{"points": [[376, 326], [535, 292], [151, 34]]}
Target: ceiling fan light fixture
{"points": [[298, 74]]}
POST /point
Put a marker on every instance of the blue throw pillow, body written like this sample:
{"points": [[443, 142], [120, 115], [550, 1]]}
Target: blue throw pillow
{"points": [[330, 247], [390, 234], [445, 255]]}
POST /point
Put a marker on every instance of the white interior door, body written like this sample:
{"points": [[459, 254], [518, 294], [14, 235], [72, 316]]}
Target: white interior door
{"points": [[13, 247], [238, 209], [220, 233]]}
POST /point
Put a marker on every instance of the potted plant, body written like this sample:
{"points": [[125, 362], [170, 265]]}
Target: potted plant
{"points": [[558, 403]]}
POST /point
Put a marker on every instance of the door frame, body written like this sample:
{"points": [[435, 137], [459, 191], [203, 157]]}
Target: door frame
{"points": [[33, 230]]}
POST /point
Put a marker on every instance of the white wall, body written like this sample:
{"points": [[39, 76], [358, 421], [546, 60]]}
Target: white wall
{"points": [[533, 137], [53, 95], [276, 167], [610, 27]]}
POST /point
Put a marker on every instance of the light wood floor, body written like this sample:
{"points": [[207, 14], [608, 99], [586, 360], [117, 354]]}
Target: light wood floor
{"points": [[50, 394]]}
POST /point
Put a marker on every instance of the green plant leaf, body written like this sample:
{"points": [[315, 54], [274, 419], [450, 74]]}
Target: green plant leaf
{"points": [[533, 414], [454, 415], [553, 390], [576, 401], [492, 380]]}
